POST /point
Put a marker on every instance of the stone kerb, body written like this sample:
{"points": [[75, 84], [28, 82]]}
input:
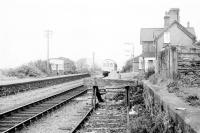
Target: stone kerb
{"points": [[182, 117], [13, 88]]}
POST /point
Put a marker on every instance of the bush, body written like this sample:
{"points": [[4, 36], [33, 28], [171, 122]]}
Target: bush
{"points": [[41, 65], [128, 66], [24, 71]]}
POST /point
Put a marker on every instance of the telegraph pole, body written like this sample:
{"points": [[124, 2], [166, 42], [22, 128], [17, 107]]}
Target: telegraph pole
{"points": [[48, 35]]}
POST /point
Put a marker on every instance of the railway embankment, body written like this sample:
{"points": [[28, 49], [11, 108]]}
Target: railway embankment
{"points": [[16, 87], [167, 106], [176, 114], [170, 106]]}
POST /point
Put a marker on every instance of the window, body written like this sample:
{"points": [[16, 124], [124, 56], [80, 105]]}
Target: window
{"points": [[150, 64], [166, 37]]}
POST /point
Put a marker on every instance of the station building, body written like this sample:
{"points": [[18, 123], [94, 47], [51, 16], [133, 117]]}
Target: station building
{"points": [[153, 40]]}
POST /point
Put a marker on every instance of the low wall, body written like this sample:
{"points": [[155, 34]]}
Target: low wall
{"points": [[13, 88], [178, 116]]}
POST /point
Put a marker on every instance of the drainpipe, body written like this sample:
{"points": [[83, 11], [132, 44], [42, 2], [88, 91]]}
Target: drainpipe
{"points": [[156, 45]]}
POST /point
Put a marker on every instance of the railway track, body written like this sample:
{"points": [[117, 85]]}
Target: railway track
{"points": [[103, 119], [106, 117], [17, 118]]}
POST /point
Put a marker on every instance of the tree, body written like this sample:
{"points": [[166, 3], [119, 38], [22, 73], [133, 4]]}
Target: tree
{"points": [[25, 71], [32, 69], [41, 65], [82, 65], [128, 66]]}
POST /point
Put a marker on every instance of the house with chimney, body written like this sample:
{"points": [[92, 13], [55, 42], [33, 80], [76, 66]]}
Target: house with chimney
{"points": [[153, 40]]}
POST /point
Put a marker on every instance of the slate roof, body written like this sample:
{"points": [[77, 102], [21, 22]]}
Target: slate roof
{"points": [[191, 30], [185, 30], [149, 54], [148, 34]]}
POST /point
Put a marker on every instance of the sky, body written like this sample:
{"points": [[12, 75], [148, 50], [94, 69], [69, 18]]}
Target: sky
{"points": [[109, 28]]}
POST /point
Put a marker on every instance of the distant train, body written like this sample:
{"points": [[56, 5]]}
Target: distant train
{"points": [[109, 66]]}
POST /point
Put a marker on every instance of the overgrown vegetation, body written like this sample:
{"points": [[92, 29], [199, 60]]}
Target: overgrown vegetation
{"points": [[41, 65], [25, 71], [150, 72], [142, 122], [146, 122], [193, 100], [172, 87], [32, 69], [184, 89], [128, 66], [39, 69]]}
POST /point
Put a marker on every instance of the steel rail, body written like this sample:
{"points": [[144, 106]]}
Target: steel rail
{"points": [[81, 122], [85, 117], [15, 119]]}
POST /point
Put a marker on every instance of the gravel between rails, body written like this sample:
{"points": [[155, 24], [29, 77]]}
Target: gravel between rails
{"points": [[109, 117], [61, 121], [13, 101]]}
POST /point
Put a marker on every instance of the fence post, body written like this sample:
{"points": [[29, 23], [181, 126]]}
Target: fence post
{"points": [[175, 63], [94, 97], [127, 90]]}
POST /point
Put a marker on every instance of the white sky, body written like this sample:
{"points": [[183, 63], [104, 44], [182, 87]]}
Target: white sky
{"points": [[81, 27]]}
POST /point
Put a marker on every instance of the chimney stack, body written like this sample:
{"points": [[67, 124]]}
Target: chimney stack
{"points": [[166, 20], [174, 15], [171, 16]]}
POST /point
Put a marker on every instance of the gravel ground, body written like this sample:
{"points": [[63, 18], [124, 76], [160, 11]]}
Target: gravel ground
{"points": [[13, 101], [61, 121], [110, 117]]}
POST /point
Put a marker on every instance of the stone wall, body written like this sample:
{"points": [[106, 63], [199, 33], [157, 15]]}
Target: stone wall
{"points": [[159, 102], [175, 60], [13, 88], [188, 62]]}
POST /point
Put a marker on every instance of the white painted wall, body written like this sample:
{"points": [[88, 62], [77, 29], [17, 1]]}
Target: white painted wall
{"points": [[57, 64], [177, 37]]}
